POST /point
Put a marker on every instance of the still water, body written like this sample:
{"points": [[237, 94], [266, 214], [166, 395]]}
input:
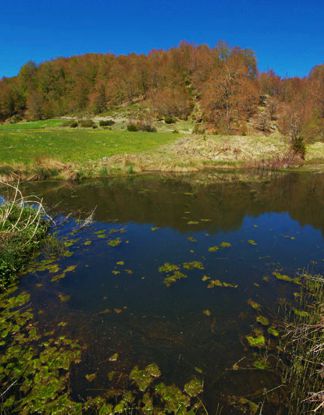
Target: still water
{"points": [[116, 298]]}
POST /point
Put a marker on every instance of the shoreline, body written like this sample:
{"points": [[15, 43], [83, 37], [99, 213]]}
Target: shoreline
{"points": [[57, 171]]}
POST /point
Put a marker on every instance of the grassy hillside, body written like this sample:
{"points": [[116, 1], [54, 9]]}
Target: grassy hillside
{"points": [[26, 142]]}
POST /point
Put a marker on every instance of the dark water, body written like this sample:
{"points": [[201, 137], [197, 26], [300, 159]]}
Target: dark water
{"points": [[127, 308]]}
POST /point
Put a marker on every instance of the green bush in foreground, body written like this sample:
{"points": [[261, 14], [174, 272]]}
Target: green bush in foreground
{"points": [[22, 230]]}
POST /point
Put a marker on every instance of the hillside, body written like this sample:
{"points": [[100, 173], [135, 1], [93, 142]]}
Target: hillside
{"points": [[220, 90]]}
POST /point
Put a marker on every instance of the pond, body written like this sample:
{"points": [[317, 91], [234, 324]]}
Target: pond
{"points": [[178, 270]]}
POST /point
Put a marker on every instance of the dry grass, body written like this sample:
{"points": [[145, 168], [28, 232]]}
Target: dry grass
{"points": [[189, 154], [304, 347], [22, 229]]}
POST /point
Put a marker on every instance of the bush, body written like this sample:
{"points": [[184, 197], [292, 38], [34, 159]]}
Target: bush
{"points": [[106, 123], [132, 127], [141, 126], [15, 118], [169, 119], [87, 123], [70, 123], [148, 128], [298, 146]]}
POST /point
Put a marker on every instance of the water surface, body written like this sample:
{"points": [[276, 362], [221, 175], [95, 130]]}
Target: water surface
{"points": [[116, 299]]}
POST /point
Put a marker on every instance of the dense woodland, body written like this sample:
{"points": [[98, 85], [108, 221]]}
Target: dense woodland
{"points": [[220, 88]]}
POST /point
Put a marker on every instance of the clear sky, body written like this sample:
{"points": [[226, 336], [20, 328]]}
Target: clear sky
{"points": [[287, 35]]}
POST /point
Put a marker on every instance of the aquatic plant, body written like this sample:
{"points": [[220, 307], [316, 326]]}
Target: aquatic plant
{"points": [[167, 267], [225, 244], [193, 265], [214, 248], [256, 339], [218, 283], [114, 242], [264, 321], [253, 304], [35, 373], [273, 331], [143, 378], [243, 404], [173, 278], [283, 277]]}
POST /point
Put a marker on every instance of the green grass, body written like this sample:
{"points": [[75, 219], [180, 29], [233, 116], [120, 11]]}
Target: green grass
{"points": [[21, 144], [31, 125]]}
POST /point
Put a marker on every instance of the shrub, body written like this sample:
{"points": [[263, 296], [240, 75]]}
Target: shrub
{"points": [[148, 128], [15, 118], [106, 123], [70, 123], [132, 127], [87, 123], [169, 119], [141, 126]]}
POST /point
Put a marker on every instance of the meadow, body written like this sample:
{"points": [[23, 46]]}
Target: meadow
{"points": [[26, 142], [42, 149]]}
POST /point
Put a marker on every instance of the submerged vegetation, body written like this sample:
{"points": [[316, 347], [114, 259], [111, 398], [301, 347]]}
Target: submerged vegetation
{"points": [[35, 373]]}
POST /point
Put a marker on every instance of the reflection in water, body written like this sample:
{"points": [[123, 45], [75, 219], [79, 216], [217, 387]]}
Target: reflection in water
{"points": [[114, 298]]}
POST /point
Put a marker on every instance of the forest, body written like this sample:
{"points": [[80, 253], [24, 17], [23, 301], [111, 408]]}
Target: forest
{"points": [[219, 88]]}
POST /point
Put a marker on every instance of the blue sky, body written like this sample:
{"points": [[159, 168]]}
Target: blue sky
{"points": [[287, 36]]}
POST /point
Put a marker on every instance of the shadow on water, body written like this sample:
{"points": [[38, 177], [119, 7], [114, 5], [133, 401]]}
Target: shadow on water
{"points": [[116, 300]]}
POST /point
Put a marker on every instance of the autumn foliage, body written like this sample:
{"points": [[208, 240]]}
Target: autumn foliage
{"points": [[218, 87]]}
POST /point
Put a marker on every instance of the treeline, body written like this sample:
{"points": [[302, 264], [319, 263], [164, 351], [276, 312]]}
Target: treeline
{"points": [[220, 88]]}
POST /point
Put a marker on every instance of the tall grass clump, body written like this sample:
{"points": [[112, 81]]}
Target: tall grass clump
{"points": [[303, 347], [23, 227]]}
